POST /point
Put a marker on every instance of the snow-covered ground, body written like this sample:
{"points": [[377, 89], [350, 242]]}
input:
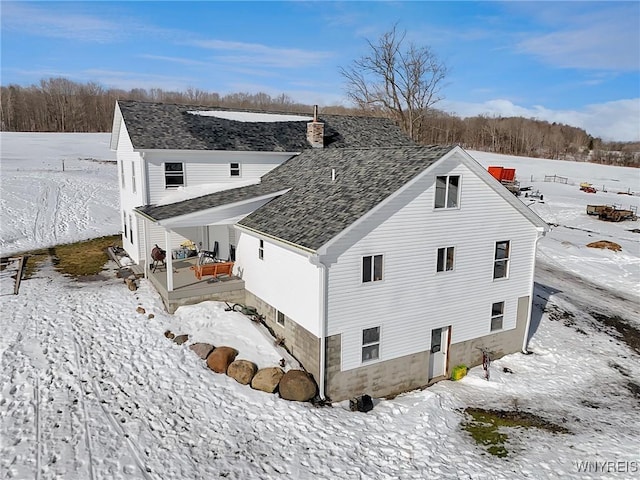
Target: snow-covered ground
{"points": [[91, 389], [40, 204]]}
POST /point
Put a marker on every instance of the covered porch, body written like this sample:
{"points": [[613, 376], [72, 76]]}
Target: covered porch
{"points": [[187, 289]]}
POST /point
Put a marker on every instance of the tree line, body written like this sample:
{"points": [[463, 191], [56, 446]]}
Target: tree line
{"points": [[61, 105]]}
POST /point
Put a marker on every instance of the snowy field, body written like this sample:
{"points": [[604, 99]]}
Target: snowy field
{"points": [[90, 389]]}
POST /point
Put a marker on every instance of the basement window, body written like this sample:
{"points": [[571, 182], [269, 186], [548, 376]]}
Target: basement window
{"points": [[370, 344], [447, 191], [497, 315], [235, 169], [445, 259], [371, 268], [173, 174]]}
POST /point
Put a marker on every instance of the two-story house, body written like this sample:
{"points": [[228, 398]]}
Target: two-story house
{"points": [[382, 264]]}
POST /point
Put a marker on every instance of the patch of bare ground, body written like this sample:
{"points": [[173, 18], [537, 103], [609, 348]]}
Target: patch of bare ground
{"points": [[626, 332], [605, 244]]}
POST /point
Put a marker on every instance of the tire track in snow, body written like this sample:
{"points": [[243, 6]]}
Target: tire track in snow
{"points": [[87, 433]]}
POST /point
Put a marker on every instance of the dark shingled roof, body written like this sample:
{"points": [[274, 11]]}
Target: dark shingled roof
{"points": [[171, 126], [316, 209]]}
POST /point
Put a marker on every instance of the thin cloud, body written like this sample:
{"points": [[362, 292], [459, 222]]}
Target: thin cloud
{"points": [[55, 24], [131, 80], [258, 54], [616, 120], [179, 60], [606, 39]]}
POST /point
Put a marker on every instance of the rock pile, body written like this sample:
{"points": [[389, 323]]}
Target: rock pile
{"points": [[295, 385]]}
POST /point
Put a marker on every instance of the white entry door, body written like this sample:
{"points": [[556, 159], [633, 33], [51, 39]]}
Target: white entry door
{"points": [[438, 356]]}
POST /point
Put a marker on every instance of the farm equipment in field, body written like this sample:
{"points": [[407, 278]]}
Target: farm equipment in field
{"points": [[507, 177], [613, 213], [587, 188]]}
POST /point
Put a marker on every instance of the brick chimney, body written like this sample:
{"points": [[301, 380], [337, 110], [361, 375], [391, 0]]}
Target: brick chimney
{"points": [[315, 130]]}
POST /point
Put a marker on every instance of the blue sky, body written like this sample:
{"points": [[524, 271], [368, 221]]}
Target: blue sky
{"points": [[570, 62]]}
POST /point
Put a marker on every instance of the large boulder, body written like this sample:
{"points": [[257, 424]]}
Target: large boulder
{"points": [[267, 379], [242, 371], [202, 349], [220, 359], [297, 385]]}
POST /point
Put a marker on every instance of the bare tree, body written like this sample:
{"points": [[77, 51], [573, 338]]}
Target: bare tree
{"points": [[399, 79]]}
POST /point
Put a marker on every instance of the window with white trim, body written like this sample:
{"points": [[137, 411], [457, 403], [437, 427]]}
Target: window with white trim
{"points": [[497, 316], [447, 191], [371, 268], [280, 318], [445, 259], [124, 223], [261, 250], [501, 259], [122, 172], [173, 174], [234, 169], [133, 177], [130, 229], [370, 344]]}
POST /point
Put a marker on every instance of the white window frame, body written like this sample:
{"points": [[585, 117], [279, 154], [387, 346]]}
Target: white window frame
{"points": [[372, 278], [366, 346], [235, 171], [133, 176], [122, 173], [261, 249], [131, 229], [448, 202], [280, 320], [124, 222], [503, 260], [442, 259], [173, 174], [497, 314]]}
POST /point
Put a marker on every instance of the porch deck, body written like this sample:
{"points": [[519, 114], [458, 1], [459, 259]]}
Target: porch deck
{"points": [[187, 289]]}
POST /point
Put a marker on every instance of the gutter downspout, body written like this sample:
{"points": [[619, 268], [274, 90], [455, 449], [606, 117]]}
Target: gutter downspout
{"points": [[525, 339], [324, 280]]}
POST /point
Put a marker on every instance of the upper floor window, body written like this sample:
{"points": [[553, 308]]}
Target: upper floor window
{"points": [[122, 172], [445, 259], [447, 191], [497, 315], [235, 169], [370, 344], [173, 174], [501, 259], [133, 177], [371, 268], [261, 250]]}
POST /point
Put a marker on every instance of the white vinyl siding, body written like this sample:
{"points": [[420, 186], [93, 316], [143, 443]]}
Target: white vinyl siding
{"points": [[414, 299], [284, 279], [207, 167]]}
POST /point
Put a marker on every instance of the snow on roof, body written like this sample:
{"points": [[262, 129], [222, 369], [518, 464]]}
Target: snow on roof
{"points": [[251, 116]]}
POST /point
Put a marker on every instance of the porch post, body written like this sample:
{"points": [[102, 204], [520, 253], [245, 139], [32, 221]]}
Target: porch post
{"points": [[167, 247]]}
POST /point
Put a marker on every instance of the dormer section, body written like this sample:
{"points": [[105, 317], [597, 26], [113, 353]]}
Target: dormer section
{"points": [[315, 130]]}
